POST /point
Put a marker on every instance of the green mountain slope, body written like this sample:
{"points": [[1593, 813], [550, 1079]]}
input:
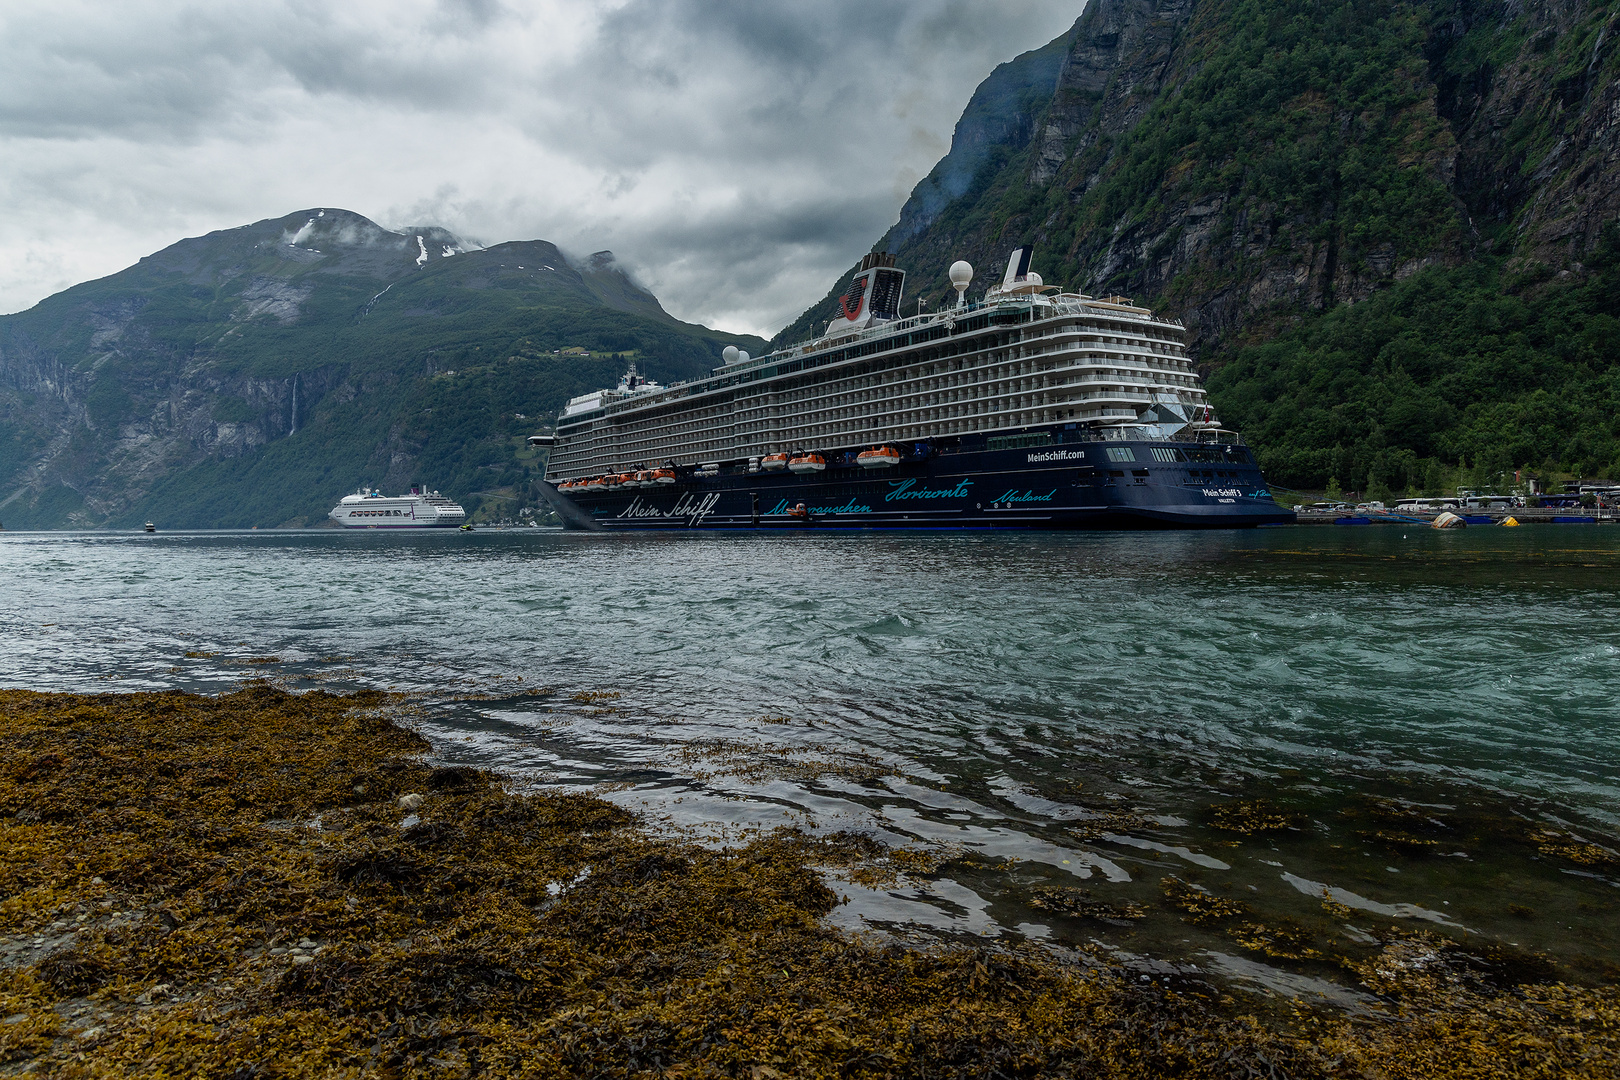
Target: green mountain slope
{"points": [[252, 376], [1387, 219]]}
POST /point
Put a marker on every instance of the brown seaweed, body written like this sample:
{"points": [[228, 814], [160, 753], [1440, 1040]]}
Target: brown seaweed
{"points": [[228, 886]]}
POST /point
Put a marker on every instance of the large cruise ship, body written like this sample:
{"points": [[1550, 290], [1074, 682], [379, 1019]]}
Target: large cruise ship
{"points": [[1031, 408], [421, 509]]}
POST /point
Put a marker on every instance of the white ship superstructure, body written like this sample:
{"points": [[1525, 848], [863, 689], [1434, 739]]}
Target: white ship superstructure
{"points": [[1027, 356], [370, 509]]}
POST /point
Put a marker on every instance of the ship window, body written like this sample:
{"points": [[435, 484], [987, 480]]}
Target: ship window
{"points": [[1120, 453]]}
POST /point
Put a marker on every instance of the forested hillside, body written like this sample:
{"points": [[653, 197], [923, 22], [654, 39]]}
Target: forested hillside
{"points": [[1388, 227], [253, 376]]}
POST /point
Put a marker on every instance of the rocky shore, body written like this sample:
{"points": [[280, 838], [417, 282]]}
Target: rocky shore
{"points": [[267, 884]]}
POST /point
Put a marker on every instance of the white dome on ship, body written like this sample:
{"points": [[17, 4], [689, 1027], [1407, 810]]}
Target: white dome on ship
{"points": [[961, 273], [1034, 279], [728, 355], [742, 355]]}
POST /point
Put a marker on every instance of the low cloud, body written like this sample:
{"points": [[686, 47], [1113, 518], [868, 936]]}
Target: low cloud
{"points": [[735, 155]]}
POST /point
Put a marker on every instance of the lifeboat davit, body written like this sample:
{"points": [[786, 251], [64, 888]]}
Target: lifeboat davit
{"points": [[879, 457], [663, 476], [772, 462], [807, 463]]}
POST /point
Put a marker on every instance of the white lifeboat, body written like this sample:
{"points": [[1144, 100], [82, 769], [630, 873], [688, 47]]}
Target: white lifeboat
{"points": [[807, 463], [879, 457]]}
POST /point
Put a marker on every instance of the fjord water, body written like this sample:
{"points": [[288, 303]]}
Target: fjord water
{"points": [[1047, 710]]}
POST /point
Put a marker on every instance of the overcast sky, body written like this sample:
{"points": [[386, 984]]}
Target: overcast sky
{"points": [[735, 154]]}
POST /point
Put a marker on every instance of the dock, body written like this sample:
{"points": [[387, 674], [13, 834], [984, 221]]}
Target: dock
{"points": [[1524, 515]]}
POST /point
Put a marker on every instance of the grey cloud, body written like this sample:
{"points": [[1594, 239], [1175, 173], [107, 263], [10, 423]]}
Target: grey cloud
{"points": [[736, 155]]}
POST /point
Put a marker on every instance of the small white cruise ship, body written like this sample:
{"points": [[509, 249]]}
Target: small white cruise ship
{"points": [[421, 509]]}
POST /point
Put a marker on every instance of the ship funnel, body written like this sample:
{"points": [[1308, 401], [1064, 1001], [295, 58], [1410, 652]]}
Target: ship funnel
{"points": [[873, 295]]}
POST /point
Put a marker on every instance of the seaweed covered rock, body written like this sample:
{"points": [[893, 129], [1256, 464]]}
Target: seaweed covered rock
{"points": [[199, 886]]}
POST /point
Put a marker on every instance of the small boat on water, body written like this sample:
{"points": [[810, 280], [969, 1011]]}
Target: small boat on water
{"points": [[879, 457], [150, 527], [804, 464]]}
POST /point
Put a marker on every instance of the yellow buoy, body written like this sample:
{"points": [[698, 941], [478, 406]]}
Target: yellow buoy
{"points": [[1510, 520]]}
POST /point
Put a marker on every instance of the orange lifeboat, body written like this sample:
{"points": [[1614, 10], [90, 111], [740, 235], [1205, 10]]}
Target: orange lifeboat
{"points": [[807, 463], [879, 457], [772, 462], [644, 478], [663, 476], [595, 483], [612, 481]]}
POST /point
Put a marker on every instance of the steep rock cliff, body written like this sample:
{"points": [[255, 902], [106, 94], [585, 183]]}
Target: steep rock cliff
{"points": [[1389, 227], [1234, 162]]}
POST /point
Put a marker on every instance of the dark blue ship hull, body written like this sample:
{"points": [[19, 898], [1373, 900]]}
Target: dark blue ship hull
{"points": [[1108, 484]]}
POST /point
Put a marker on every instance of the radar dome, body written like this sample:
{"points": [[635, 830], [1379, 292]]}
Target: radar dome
{"points": [[961, 273], [742, 354], [1034, 279], [728, 355]]}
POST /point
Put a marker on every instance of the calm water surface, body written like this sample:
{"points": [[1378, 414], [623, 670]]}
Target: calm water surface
{"points": [[1436, 710]]}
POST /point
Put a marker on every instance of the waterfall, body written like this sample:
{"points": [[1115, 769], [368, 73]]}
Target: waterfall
{"points": [[294, 429]]}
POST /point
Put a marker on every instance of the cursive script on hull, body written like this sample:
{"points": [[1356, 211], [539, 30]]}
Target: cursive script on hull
{"points": [[908, 489], [1013, 497], [850, 507], [691, 505]]}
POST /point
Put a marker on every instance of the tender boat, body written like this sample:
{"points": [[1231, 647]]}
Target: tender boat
{"points": [[663, 476], [773, 462]]}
